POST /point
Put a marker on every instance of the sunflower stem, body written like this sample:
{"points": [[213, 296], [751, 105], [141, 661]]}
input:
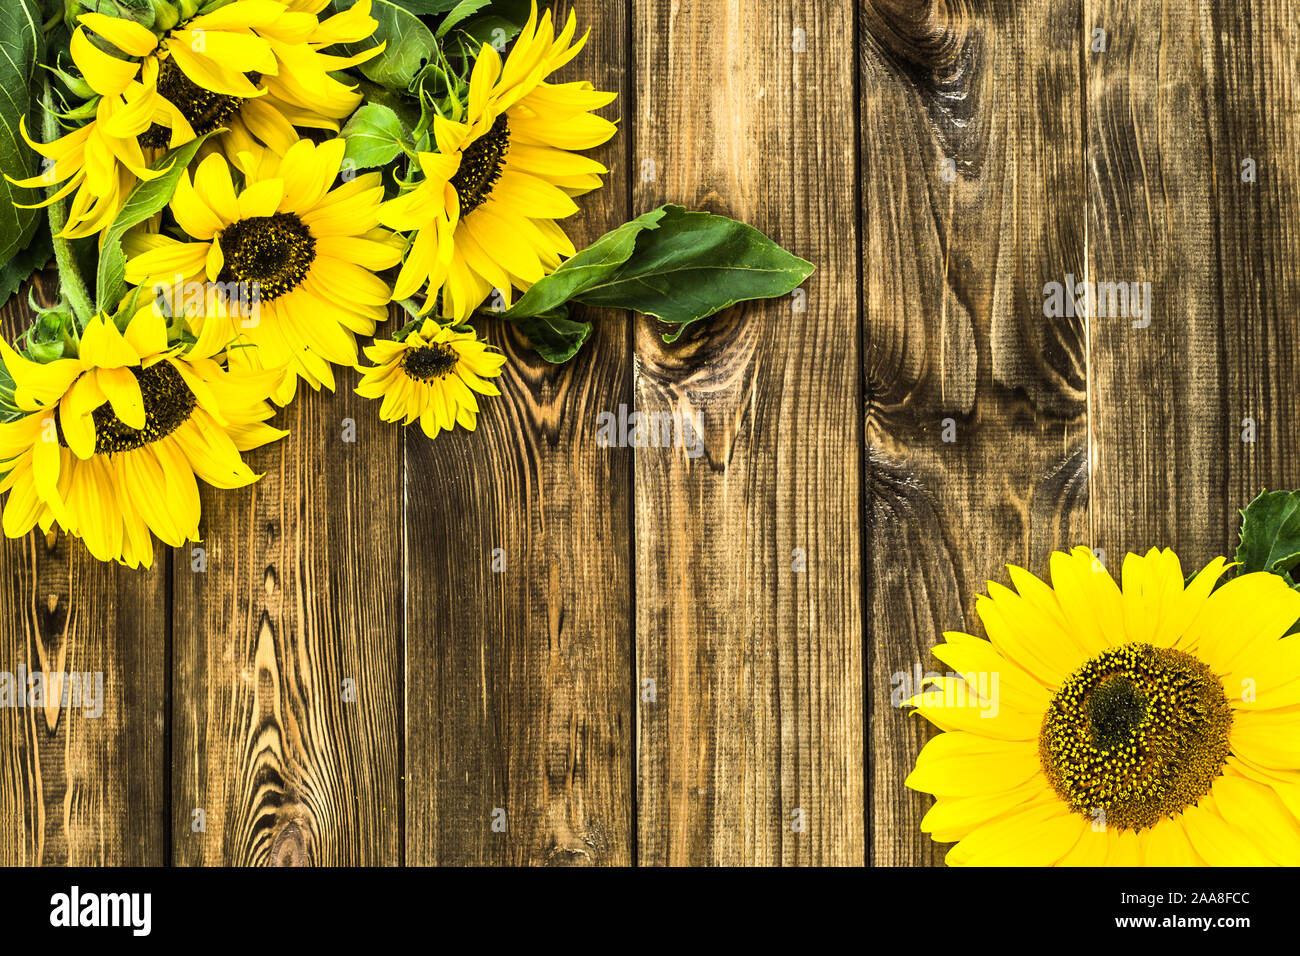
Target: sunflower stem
{"points": [[71, 284], [413, 310]]}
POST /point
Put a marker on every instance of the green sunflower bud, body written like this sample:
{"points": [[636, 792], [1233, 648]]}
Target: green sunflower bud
{"points": [[165, 16], [80, 114], [141, 11], [75, 85], [52, 336]]}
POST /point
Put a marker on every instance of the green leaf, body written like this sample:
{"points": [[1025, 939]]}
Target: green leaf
{"points": [[554, 336], [374, 136], [9, 411], [677, 266], [410, 44], [493, 30], [514, 12], [1270, 534], [592, 265], [497, 23], [427, 7], [22, 47], [24, 264], [406, 106], [461, 12], [695, 265], [145, 200]]}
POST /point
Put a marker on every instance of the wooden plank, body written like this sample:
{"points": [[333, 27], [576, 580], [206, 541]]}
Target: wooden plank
{"points": [[289, 763], [749, 615], [519, 681], [977, 415], [1252, 69], [1158, 430], [1183, 96], [78, 789]]}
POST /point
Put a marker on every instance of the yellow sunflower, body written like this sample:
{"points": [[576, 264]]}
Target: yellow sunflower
{"points": [[1153, 724], [164, 90], [484, 216], [300, 256], [431, 375], [113, 440]]}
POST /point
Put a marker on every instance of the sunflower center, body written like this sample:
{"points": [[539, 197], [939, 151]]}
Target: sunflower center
{"points": [[1116, 709], [1138, 733], [480, 166], [202, 109], [430, 362], [168, 404], [274, 252]]}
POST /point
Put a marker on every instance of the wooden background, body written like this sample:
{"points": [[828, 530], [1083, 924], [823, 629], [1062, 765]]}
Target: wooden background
{"points": [[690, 661]]}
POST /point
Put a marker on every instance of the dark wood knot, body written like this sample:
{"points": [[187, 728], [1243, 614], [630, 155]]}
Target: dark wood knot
{"points": [[926, 34]]}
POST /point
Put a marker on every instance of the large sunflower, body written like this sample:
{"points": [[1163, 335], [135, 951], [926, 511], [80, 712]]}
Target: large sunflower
{"points": [[1155, 724], [307, 252], [113, 440], [431, 376], [164, 90], [484, 216]]}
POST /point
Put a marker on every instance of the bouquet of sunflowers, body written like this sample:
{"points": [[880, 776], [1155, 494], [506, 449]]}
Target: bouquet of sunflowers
{"points": [[235, 191]]}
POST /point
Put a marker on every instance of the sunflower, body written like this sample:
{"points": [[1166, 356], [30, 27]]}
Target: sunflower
{"points": [[1155, 724], [302, 255], [113, 440], [166, 90], [483, 217], [431, 375]]}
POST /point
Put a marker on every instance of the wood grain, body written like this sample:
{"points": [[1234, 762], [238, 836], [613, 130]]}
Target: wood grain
{"points": [[76, 789], [976, 422], [1159, 468], [1184, 95], [287, 658], [749, 613], [1254, 69], [519, 680]]}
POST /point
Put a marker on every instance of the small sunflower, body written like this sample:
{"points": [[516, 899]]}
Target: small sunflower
{"points": [[166, 90], [484, 216], [307, 253], [432, 375], [1153, 724], [113, 440]]}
